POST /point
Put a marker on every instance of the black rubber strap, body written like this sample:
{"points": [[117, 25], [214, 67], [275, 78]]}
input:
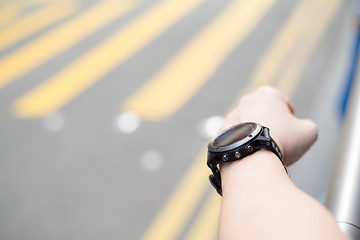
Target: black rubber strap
{"points": [[215, 178]]}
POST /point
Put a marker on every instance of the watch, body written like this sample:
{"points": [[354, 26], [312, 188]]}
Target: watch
{"points": [[236, 143]]}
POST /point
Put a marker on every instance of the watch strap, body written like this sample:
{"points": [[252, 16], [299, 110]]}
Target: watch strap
{"points": [[262, 141]]}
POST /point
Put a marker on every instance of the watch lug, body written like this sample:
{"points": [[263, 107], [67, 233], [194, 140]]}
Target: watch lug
{"points": [[266, 132]]}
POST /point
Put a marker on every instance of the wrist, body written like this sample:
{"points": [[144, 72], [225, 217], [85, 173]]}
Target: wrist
{"points": [[280, 143], [262, 166]]}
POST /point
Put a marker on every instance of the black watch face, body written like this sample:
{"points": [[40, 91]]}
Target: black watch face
{"points": [[234, 134]]}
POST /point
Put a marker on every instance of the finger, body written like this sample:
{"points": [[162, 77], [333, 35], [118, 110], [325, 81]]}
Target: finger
{"points": [[271, 91], [311, 129], [290, 105], [303, 135]]}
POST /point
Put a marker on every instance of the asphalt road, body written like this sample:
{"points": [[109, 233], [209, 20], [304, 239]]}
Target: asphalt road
{"points": [[107, 107]]}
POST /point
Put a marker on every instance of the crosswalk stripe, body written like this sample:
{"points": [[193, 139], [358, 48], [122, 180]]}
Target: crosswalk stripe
{"points": [[189, 70], [60, 39], [282, 45], [11, 11], [36, 21], [294, 67], [206, 224], [8, 14], [181, 204], [93, 65]]}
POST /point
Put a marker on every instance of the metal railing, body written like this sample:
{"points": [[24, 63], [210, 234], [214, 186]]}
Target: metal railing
{"points": [[343, 198]]}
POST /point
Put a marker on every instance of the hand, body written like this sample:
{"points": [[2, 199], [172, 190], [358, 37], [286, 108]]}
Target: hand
{"points": [[269, 107]]}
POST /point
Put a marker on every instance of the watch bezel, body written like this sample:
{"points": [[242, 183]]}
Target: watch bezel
{"points": [[248, 138]]}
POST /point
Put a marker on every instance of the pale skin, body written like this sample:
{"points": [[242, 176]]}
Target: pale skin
{"points": [[259, 199]]}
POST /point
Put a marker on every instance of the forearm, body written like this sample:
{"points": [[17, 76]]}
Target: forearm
{"points": [[259, 199], [261, 202]]}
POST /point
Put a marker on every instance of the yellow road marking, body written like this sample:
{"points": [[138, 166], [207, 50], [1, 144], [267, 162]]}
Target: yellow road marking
{"points": [[34, 22], [176, 212], [60, 39], [8, 14], [316, 29], [11, 12], [92, 66], [206, 224], [189, 70], [282, 44]]}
